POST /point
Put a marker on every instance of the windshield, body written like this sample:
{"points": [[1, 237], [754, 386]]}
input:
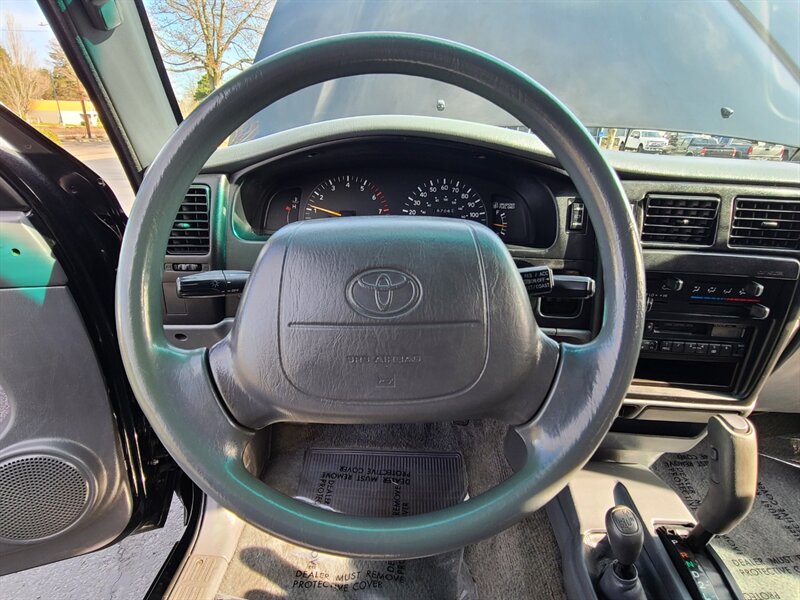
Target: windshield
{"points": [[728, 69]]}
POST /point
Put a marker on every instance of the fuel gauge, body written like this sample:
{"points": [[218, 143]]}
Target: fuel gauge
{"points": [[510, 219], [500, 224]]}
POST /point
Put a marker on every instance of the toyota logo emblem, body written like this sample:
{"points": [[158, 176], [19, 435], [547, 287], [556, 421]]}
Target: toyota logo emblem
{"points": [[383, 293]]}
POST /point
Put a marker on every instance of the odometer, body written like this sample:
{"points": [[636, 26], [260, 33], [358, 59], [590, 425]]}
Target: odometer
{"points": [[345, 196], [445, 197]]}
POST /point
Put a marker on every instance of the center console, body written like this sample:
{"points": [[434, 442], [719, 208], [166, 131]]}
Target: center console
{"points": [[713, 331], [707, 331], [625, 535]]}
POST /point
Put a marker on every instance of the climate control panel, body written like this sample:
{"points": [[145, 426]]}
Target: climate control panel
{"points": [[709, 331], [741, 297]]}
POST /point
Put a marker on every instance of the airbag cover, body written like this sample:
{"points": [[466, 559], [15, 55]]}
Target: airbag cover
{"points": [[398, 313]]}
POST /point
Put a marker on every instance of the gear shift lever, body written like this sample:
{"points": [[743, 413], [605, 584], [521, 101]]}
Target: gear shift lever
{"points": [[625, 535], [732, 472]]}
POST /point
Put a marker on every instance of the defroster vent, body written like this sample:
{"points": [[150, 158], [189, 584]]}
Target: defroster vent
{"points": [[766, 223], [190, 233], [680, 219]]}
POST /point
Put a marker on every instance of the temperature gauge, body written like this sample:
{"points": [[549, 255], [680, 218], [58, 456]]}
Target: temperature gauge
{"points": [[283, 208]]}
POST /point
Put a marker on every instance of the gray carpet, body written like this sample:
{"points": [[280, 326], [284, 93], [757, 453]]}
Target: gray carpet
{"points": [[522, 562], [763, 551]]}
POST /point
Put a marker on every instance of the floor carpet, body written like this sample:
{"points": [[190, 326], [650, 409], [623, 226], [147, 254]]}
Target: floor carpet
{"points": [[521, 562]]}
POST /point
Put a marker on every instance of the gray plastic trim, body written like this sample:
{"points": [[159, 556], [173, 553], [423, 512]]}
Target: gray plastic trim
{"points": [[197, 336], [136, 91], [781, 392], [213, 548], [26, 258], [579, 511], [59, 405]]}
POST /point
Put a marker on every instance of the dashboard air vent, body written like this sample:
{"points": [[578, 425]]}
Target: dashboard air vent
{"points": [[190, 234], [680, 219], [766, 223]]}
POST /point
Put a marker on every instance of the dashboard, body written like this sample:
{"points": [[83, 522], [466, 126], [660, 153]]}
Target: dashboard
{"points": [[720, 241]]}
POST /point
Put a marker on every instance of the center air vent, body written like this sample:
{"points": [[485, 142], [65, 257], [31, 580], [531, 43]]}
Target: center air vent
{"points": [[766, 223], [680, 219], [190, 231]]}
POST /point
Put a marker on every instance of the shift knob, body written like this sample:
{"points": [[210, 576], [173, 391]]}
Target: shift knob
{"points": [[625, 535], [732, 477]]}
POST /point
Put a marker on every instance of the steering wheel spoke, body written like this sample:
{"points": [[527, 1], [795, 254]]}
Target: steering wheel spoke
{"points": [[207, 432]]}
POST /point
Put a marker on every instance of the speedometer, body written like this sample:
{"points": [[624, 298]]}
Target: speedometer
{"points": [[446, 197]]}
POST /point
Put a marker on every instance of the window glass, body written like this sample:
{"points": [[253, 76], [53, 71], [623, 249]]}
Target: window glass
{"points": [[718, 50], [204, 43], [38, 84]]}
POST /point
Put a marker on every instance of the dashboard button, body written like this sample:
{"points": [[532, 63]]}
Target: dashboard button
{"points": [[759, 312], [576, 217], [666, 346], [725, 349], [192, 267], [701, 348], [672, 284], [713, 349], [739, 350], [754, 289], [677, 347]]}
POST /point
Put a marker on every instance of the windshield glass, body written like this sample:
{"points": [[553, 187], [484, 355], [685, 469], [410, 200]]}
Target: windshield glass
{"points": [[723, 68]]}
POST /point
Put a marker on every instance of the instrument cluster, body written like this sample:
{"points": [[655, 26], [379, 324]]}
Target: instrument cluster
{"points": [[404, 192]]}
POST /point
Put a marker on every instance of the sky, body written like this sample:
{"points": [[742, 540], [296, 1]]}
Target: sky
{"points": [[36, 30], [31, 23]]}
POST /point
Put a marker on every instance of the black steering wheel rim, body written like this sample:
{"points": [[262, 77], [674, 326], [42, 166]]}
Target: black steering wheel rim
{"points": [[173, 386]]}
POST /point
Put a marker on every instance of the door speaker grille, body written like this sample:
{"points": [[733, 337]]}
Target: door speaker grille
{"points": [[41, 496]]}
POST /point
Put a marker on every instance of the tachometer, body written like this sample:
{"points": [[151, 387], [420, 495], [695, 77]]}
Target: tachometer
{"points": [[345, 196], [446, 197]]}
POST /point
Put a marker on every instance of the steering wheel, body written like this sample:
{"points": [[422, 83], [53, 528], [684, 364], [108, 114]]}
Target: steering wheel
{"points": [[333, 306]]}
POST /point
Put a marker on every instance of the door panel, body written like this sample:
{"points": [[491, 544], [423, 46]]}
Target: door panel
{"points": [[65, 490], [80, 467]]}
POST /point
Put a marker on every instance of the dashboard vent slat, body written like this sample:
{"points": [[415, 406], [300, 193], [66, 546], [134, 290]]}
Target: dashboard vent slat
{"points": [[766, 223], [190, 234], [686, 220]]}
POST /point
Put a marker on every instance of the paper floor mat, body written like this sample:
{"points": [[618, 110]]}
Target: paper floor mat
{"points": [[378, 484], [382, 484], [763, 551]]}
